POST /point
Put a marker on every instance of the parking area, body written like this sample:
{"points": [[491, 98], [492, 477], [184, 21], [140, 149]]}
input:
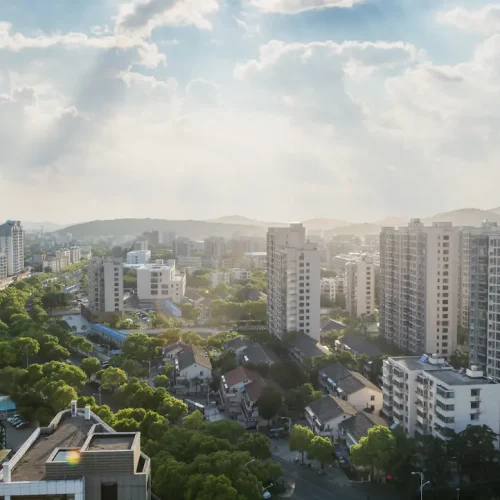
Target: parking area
{"points": [[16, 437]]}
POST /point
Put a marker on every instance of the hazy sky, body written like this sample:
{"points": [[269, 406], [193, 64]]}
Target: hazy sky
{"points": [[274, 109]]}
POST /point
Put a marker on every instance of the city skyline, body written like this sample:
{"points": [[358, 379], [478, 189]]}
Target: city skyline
{"points": [[198, 107]]}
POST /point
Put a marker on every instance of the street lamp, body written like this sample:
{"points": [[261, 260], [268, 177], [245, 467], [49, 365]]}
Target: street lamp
{"points": [[422, 484], [458, 493], [249, 462]]}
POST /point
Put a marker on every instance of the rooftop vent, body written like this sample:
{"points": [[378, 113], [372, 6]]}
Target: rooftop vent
{"points": [[474, 372]]}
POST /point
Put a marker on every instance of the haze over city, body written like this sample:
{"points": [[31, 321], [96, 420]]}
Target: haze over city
{"points": [[277, 110]]}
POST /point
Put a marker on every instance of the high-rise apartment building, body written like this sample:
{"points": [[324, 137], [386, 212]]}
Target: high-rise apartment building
{"points": [[105, 286], [3, 265], [419, 283], [182, 247], [293, 282], [12, 245], [360, 287], [75, 254]]}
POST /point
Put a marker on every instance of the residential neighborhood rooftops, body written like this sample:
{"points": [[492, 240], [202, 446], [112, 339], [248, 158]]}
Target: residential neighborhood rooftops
{"points": [[193, 354], [359, 424], [335, 371], [361, 345], [414, 363], [331, 324], [309, 347], [239, 375], [329, 407], [258, 354], [237, 343], [354, 382], [175, 345], [452, 377]]}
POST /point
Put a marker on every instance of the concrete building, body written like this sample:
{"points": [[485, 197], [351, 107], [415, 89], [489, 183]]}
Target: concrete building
{"points": [[240, 275], [138, 257], [186, 261], [182, 247], [159, 281], [215, 247], [12, 246], [360, 287], [419, 279], [141, 244], [64, 256], [255, 260], [75, 254], [192, 365], [481, 296], [218, 277], [332, 287], [293, 282], [78, 456], [86, 253], [105, 287], [197, 246], [426, 396], [3, 265]]}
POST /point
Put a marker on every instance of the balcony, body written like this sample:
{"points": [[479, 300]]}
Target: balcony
{"points": [[398, 397]]}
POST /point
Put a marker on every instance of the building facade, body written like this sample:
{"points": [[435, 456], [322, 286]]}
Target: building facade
{"points": [[426, 396], [419, 280], [138, 257], [105, 286], [218, 277], [360, 287], [75, 254], [293, 282], [3, 265], [159, 281], [12, 246]]}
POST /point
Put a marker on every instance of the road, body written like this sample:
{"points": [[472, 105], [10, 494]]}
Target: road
{"points": [[310, 486]]}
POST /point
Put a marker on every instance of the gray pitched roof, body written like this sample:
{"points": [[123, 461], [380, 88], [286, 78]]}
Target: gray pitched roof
{"points": [[329, 407], [331, 324], [191, 355], [237, 343], [361, 345], [308, 346], [257, 353], [359, 424], [335, 371]]}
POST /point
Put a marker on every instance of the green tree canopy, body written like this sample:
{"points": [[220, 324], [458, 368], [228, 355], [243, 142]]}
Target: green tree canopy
{"points": [[374, 450], [113, 378], [321, 449], [300, 439], [90, 366]]}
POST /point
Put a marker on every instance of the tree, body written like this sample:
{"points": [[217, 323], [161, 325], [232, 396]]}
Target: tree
{"points": [[82, 345], [300, 439], [348, 360], [26, 346], [139, 347], [113, 378], [90, 366], [195, 421], [459, 360], [190, 312], [225, 429], [210, 487], [161, 381], [321, 449], [374, 450], [298, 399], [269, 403], [258, 445], [170, 479], [130, 367], [435, 459]]}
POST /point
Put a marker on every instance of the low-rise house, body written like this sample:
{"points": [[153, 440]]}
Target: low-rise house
{"points": [[328, 325], [258, 354], [237, 344], [303, 347], [171, 351], [353, 429], [357, 345], [325, 414], [193, 368], [350, 386], [240, 390]]}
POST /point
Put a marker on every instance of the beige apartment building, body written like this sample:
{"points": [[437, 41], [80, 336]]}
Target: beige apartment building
{"points": [[293, 282], [360, 287], [419, 287]]}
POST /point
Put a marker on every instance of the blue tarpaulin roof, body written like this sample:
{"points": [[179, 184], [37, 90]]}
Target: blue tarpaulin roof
{"points": [[105, 331], [170, 308], [6, 404]]}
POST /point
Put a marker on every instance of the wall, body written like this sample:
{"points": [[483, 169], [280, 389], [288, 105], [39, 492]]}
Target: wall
{"points": [[362, 399]]}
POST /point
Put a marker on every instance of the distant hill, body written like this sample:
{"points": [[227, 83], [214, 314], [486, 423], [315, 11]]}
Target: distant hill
{"points": [[36, 226], [359, 230], [392, 221], [323, 224], [464, 217], [495, 210], [242, 220], [190, 228]]}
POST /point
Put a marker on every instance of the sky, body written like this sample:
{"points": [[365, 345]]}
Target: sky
{"points": [[273, 109]]}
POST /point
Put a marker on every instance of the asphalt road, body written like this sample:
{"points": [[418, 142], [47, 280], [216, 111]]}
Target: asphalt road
{"points": [[310, 486]]}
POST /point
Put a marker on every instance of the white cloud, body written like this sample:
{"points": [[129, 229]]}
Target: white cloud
{"points": [[485, 20], [249, 29], [297, 6], [141, 17], [16, 42]]}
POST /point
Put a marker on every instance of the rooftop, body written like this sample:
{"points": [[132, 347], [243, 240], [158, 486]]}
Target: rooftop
{"points": [[329, 407], [354, 382], [452, 377], [258, 353], [335, 371], [309, 347], [361, 345], [236, 343], [70, 433], [331, 324], [240, 375], [111, 442], [359, 425], [193, 354], [415, 363]]}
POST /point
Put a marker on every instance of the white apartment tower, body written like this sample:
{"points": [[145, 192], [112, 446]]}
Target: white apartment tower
{"points": [[12, 246], [424, 395], [3, 265], [105, 285], [419, 283], [160, 281], [360, 287], [293, 282]]}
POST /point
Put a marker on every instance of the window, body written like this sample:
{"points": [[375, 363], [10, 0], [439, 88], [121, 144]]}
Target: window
{"points": [[201, 373], [372, 398], [474, 416], [474, 405], [109, 491], [475, 392]]}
